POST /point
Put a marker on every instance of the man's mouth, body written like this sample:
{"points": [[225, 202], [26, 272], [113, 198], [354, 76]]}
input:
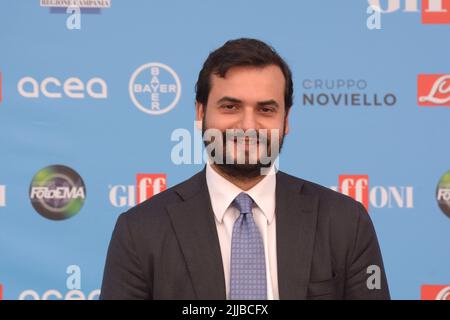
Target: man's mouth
{"points": [[247, 141]]}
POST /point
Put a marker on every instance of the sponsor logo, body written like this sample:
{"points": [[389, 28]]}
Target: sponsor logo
{"points": [[443, 193], [343, 93], [57, 192], [432, 11], [155, 88], [435, 292], [358, 187], [73, 284], [147, 185], [54, 88], [433, 90], [435, 11], [76, 3]]}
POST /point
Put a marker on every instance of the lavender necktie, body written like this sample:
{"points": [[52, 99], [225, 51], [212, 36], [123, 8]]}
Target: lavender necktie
{"points": [[248, 264]]}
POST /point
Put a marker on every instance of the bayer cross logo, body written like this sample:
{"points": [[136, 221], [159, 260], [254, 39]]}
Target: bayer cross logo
{"points": [[155, 88]]}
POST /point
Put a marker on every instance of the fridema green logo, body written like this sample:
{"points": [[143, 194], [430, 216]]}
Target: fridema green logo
{"points": [[57, 192], [443, 193]]}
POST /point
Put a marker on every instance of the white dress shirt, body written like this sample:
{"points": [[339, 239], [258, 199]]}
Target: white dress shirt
{"points": [[222, 193]]}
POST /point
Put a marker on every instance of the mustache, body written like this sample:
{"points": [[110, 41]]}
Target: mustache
{"points": [[239, 135], [255, 136]]}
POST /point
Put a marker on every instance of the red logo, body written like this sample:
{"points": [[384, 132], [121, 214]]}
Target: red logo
{"points": [[1, 291], [433, 90], [149, 184], [435, 11], [355, 186], [435, 292]]}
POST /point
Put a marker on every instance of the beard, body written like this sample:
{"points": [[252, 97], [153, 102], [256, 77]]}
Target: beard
{"points": [[246, 170]]}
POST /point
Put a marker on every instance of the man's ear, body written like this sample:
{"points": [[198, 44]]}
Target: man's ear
{"points": [[199, 114], [286, 122]]}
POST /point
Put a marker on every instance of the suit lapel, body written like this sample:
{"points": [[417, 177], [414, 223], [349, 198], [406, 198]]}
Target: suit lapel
{"points": [[296, 219], [194, 225]]}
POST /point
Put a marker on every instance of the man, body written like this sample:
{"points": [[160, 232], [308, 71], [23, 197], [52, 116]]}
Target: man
{"points": [[233, 230]]}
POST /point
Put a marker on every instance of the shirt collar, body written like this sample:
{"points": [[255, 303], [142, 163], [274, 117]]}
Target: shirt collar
{"points": [[222, 193]]}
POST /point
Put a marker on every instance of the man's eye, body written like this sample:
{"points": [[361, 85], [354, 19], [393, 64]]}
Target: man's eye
{"points": [[266, 109], [229, 107]]}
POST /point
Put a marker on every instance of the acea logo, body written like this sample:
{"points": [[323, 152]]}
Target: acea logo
{"points": [[155, 88], [433, 90], [57, 192], [435, 292], [54, 88], [73, 285], [147, 185], [443, 193]]}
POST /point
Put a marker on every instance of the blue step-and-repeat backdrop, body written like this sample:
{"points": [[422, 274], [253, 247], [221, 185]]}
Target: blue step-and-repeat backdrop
{"points": [[95, 101]]}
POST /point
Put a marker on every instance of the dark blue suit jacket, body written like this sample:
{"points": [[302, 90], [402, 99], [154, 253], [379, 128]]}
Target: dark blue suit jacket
{"points": [[168, 248]]}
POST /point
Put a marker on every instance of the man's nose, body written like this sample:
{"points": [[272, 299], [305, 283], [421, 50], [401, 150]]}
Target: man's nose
{"points": [[248, 119]]}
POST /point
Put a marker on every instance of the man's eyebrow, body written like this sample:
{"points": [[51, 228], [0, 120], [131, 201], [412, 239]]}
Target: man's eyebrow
{"points": [[259, 103], [229, 99], [268, 102]]}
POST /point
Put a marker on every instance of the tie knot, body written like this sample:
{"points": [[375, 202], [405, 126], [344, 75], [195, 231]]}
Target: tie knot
{"points": [[243, 202]]}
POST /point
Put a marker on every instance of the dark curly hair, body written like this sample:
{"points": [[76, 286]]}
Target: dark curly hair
{"points": [[241, 52]]}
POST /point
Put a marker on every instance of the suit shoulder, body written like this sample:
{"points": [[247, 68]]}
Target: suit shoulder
{"points": [[156, 205], [312, 188], [340, 214], [330, 200]]}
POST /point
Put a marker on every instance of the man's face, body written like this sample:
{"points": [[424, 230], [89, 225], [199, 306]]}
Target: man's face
{"points": [[247, 98]]}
